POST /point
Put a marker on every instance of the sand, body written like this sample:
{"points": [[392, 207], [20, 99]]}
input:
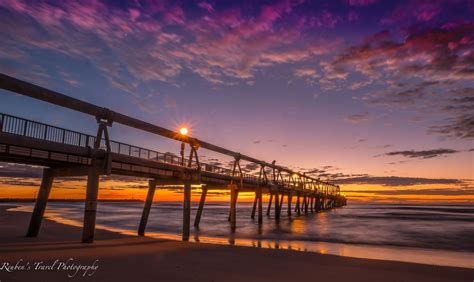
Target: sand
{"points": [[116, 257]]}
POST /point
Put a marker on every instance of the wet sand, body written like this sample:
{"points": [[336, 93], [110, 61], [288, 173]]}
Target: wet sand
{"points": [[129, 258]]}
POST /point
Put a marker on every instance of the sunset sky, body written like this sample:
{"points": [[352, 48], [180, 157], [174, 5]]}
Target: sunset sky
{"points": [[375, 95]]}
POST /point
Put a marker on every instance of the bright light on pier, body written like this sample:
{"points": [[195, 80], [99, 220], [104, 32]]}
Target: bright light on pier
{"points": [[183, 131]]}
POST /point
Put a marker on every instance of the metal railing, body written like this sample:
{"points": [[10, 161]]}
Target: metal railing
{"points": [[20, 126]]}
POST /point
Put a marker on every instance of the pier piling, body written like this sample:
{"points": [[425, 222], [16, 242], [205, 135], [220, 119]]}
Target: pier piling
{"points": [[186, 208], [41, 202], [90, 210], [202, 201], [147, 206]]}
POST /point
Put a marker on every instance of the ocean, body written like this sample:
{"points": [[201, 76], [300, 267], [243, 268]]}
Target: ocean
{"points": [[421, 233]]}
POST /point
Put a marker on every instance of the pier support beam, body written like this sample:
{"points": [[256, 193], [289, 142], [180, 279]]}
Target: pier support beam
{"points": [[298, 205], [311, 203], [289, 203], [254, 207], [236, 197], [281, 204], [270, 204], [303, 205], [90, 209], [306, 201], [186, 208], [234, 192], [260, 205], [147, 206], [202, 201], [41, 202], [277, 206]]}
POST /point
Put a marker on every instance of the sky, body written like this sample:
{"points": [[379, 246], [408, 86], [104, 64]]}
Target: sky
{"points": [[376, 96]]}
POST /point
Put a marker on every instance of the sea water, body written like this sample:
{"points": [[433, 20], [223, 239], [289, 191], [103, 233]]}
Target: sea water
{"points": [[422, 233]]}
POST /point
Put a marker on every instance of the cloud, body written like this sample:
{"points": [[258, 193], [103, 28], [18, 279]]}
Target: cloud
{"points": [[19, 170], [223, 47], [461, 126], [429, 70], [357, 118], [324, 19], [424, 154], [305, 72], [436, 192], [396, 181], [251, 167], [206, 6], [423, 53], [19, 181], [415, 11], [360, 2], [461, 121]]}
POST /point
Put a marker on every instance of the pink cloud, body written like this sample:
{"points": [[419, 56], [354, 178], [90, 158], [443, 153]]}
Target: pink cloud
{"points": [[325, 19], [174, 15], [357, 118], [420, 11], [134, 14], [360, 2], [222, 47], [206, 6], [305, 72]]}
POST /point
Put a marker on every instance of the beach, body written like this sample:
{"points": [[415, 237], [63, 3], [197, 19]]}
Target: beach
{"points": [[117, 257]]}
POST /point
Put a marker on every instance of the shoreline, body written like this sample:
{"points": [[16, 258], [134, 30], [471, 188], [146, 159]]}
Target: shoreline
{"points": [[435, 257], [121, 257]]}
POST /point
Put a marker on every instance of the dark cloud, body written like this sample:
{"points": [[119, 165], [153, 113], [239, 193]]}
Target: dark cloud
{"points": [[409, 96], [360, 2], [215, 163], [323, 172], [251, 167], [314, 170], [262, 141], [19, 170], [461, 126], [419, 72], [461, 121], [21, 181], [439, 191], [424, 154], [396, 181], [339, 175]]}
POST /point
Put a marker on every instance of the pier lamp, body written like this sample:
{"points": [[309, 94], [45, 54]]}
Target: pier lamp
{"points": [[183, 131]]}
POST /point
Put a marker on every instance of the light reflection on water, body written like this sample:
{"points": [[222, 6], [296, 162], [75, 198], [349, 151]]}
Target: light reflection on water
{"points": [[437, 235]]}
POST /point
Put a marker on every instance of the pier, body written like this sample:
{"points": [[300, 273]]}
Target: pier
{"points": [[65, 152]]}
